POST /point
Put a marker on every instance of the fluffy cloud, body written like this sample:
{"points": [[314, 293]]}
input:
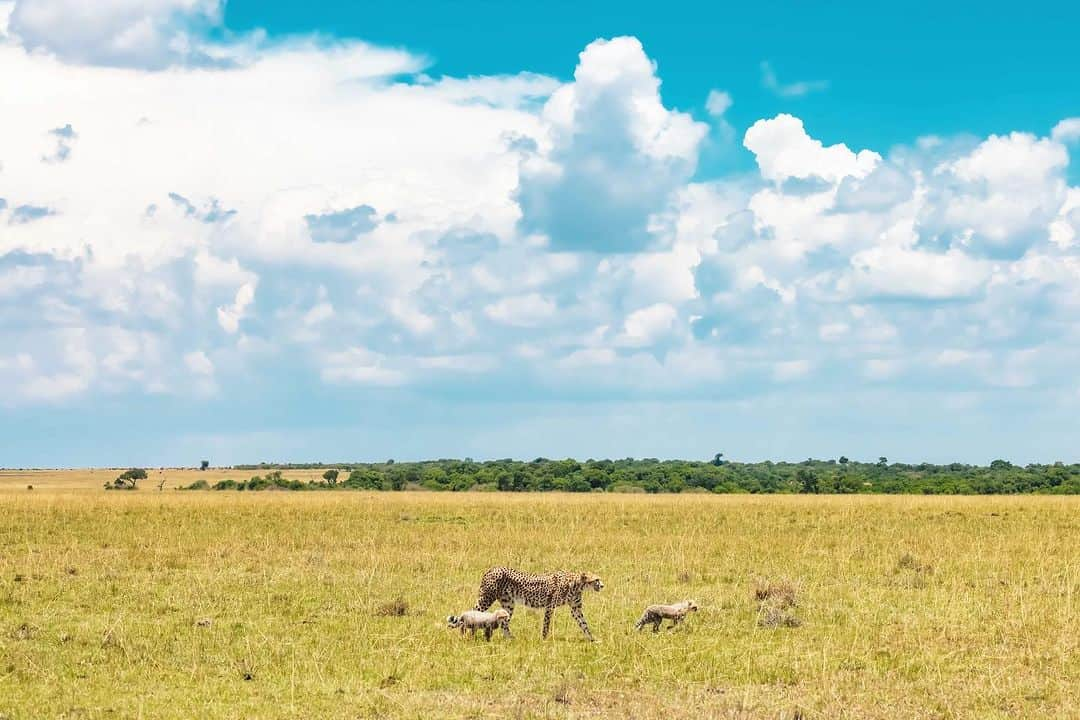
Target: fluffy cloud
{"points": [[1067, 131], [784, 150], [891, 272], [130, 33], [1001, 197], [645, 326], [318, 218], [611, 156]]}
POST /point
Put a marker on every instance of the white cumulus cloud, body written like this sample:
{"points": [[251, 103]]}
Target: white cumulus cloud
{"points": [[784, 150], [134, 33]]}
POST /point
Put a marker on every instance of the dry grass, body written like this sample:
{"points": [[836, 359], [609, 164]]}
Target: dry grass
{"points": [[220, 605], [395, 608], [907, 561], [770, 616]]}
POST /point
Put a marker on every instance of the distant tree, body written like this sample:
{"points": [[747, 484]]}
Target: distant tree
{"points": [[578, 484], [1000, 465], [808, 480], [882, 461], [364, 480], [398, 480], [204, 464], [844, 460], [717, 459], [128, 478], [330, 476]]}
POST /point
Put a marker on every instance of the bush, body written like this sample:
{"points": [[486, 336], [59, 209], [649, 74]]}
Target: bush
{"points": [[364, 480], [198, 485], [258, 483]]}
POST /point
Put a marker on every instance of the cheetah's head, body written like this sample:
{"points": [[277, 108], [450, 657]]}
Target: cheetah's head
{"points": [[591, 582], [502, 615], [453, 621], [691, 606]]}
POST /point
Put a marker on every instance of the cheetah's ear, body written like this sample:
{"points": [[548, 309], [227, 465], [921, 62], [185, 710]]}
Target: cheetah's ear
{"points": [[585, 578]]}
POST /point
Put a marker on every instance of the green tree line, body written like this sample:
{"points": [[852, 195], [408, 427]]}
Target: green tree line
{"points": [[672, 476]]}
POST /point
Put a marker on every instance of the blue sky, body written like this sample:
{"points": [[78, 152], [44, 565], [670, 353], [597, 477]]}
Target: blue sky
{"points": [[331, 231], [893, 72]]}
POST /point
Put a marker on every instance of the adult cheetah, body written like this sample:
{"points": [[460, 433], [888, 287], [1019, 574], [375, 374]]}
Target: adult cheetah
{"points": [[538, 591]]}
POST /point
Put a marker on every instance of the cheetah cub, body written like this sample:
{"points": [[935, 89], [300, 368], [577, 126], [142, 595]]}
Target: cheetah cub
{"points": [[473, 620], [656, 614]]}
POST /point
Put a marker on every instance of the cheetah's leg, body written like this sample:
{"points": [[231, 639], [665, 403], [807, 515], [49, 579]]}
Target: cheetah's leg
{"points": [[575, 610], [507, 603], [656, 623], [487, 633], [547, 620]]}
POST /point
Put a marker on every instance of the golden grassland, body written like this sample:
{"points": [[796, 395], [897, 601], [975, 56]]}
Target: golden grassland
{"points": [[271, 605]]}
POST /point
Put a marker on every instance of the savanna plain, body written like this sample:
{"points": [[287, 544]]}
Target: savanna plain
{"points": [[186, 604]]}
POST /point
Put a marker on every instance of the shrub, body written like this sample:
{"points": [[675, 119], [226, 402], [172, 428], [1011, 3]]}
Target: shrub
{"points": [[257, 483], [198, 485]]}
